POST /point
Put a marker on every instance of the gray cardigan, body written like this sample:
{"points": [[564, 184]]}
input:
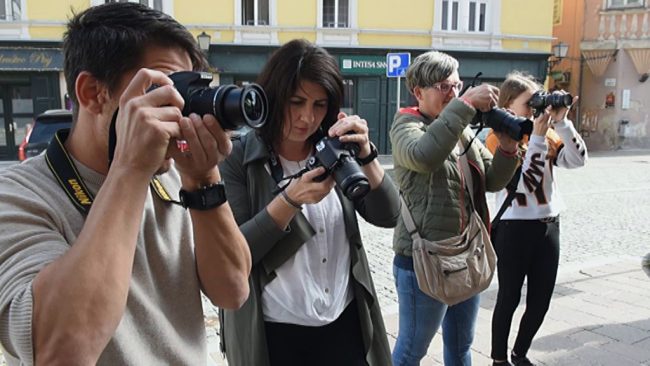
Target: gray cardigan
{"points": [[249, 189]]}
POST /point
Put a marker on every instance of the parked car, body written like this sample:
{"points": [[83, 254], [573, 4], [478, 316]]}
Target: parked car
{"points": [[40, 134]]}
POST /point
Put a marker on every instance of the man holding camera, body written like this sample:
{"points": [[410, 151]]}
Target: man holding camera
{"points": [[120, 283]]}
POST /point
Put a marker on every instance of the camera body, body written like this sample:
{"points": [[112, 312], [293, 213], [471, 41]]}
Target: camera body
{"points": [[542, 99], [503, 121], [233, 106], [339, 160]]}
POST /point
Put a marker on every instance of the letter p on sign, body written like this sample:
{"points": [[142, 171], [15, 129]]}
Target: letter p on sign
{"points": [[397, 63]]}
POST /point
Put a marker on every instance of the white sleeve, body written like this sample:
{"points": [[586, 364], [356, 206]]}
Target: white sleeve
{"points": [[573, 152]]}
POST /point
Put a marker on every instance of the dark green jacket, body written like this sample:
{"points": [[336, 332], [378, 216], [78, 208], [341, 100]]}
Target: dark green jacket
{"points": [[429, 179], [249, 189]]}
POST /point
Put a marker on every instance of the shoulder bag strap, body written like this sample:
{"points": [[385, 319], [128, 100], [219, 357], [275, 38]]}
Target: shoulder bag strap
{"points": [[408, 220], [466, 174]]}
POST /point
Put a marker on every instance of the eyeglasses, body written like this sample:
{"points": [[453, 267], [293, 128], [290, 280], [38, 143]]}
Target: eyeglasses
{"points": [[445, 88]]}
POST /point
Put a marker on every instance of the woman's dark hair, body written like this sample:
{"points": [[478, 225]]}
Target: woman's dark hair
{"points": [[297, 61], [109, 40]]}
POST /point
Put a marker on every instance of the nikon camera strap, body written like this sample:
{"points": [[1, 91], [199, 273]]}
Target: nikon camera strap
{"points": [[65, 172]]}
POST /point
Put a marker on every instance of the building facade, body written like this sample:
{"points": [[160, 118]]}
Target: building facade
{"points": [[488, 36], [615, 48]]}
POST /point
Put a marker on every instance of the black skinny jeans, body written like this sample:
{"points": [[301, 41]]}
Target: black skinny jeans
{"points": [[525, 248]]}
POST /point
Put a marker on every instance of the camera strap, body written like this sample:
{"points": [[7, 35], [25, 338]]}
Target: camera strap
{"points": [[277, 172], [65, 172], [512, 193], [276, 168], [68, 177]]}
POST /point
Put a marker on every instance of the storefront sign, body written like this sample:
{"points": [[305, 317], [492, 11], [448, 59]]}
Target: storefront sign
{"points": [[31, 59], [363, 65]]}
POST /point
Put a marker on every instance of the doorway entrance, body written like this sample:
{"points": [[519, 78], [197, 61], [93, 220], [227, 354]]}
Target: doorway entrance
{"points": [[16, 115]]}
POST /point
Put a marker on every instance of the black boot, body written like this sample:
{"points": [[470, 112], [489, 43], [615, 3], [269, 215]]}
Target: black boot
{"points": [[501, 363], [520, 360]]}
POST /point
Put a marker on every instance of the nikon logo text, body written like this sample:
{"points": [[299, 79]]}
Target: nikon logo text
{"points": [[79, 192]]}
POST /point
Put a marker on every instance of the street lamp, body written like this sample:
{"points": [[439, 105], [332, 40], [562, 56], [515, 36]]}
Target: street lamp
{"points": [[204, 41], [560, 51]]}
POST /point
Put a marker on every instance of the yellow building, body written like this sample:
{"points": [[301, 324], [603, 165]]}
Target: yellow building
{"points": [[488, 36]]}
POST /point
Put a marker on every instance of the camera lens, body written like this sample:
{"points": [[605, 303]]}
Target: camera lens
{"points": [[253, 105], [350, 179], [559, 100], [501, 120], [239, 106], [231, 105], [357, 189]]}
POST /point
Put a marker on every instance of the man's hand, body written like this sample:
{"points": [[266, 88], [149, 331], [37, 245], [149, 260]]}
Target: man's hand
{"points": [[208, 145], [147, 122]]}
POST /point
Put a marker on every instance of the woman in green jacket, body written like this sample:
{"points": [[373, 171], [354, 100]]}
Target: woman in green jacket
{"points": [[425, 153], [312, 299]]}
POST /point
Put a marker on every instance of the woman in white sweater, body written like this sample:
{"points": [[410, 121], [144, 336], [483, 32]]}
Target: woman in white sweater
{"points": [[527, 241]]}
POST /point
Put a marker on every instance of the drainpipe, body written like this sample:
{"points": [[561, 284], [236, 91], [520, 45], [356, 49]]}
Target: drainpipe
{"points": [[579, 108]]}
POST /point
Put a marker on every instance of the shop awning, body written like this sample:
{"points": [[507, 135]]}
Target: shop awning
{"points": [[598, 60], [641, 59]]}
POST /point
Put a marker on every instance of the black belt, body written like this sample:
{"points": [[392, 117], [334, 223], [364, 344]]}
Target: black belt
{"points": [[550, 219], [546, 220]]}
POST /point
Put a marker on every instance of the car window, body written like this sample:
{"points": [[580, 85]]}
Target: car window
{"points": [[43, 132]]}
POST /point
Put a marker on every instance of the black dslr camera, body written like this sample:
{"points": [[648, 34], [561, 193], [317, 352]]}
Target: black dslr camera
{"points": [[501, 120], [541, 99], [231, 105], [339, 160]]}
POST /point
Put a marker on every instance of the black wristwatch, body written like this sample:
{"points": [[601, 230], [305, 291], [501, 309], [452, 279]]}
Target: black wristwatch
{"points": [[368, 159], [204, 198]]}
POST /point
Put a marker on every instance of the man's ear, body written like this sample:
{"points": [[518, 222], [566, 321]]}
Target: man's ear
{"points": [[91, 93]]}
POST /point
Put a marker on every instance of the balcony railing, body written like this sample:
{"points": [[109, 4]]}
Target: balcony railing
{"points": [[624, 24]]}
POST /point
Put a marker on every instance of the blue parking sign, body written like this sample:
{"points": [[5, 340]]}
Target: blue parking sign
{"points": [[397, 63]]}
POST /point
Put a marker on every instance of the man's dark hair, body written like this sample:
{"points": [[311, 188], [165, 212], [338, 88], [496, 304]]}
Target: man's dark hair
{"points": [[297, 61], [111, 39]]}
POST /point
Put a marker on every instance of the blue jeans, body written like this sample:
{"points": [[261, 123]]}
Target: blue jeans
{"points": [[420, 317]]}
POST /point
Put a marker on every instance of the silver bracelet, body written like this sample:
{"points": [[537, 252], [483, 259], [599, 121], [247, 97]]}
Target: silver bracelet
{"points": [[291, 202]]}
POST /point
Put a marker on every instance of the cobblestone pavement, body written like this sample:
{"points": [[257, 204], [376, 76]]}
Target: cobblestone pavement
{"points": [[608, 206]]}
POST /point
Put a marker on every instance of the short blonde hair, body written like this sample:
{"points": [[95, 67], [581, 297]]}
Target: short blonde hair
{"points": [[429, 68]]}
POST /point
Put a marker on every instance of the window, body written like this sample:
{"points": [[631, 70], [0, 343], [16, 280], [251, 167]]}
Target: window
{"points": [[155, 4], [625, 3], [255, 12], [336, 14], [464, 15], [477, 16], [10, 10], [449, 16]]}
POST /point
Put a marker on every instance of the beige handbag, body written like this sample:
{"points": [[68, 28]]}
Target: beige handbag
{"points": [[454, 269]]}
